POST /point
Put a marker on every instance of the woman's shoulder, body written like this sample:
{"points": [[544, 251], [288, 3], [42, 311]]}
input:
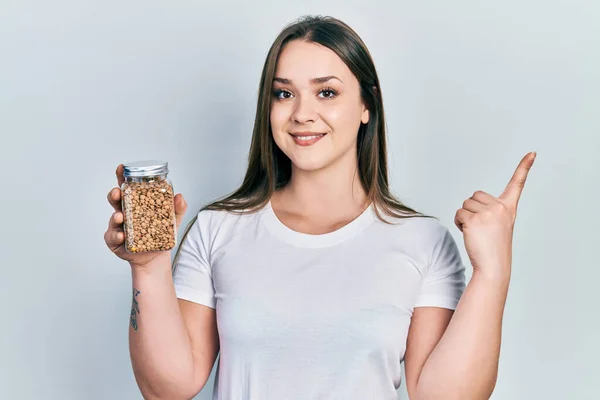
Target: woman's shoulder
{"points": [[421, 227], [420, 237], [213, 218]]}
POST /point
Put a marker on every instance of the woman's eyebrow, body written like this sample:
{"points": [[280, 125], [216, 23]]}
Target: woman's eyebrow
{"points": [[314, 80]]}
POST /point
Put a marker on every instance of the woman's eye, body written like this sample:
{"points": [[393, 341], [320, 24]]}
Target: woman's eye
{"points": [[282, 94], [328, 93]]}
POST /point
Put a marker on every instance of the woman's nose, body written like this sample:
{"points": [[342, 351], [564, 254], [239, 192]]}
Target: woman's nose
{"points": [[305, 110]]}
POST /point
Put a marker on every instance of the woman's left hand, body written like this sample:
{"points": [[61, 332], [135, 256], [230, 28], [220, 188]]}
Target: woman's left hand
{"points": [[487, 224]]}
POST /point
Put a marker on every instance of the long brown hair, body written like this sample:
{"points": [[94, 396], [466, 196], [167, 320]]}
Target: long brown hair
{"points": [[269, 169]]}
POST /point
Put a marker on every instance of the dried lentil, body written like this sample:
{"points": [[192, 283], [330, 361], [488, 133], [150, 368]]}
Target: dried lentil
{"points": [[149, 212]]}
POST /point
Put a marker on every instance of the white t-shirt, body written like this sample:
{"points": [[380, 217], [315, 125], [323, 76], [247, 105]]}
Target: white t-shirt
{"points": [[315, 316]]}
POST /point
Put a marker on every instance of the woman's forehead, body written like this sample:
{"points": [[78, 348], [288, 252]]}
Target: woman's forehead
{"points": [[300, 62]]}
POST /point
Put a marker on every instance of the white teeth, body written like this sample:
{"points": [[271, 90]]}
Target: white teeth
{"points": [[307, 137]]}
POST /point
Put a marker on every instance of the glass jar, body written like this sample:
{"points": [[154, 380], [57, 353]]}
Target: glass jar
{"points": [[147, 199]]}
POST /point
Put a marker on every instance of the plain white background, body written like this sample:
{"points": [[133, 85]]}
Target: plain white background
{"points": [[469, 88]]}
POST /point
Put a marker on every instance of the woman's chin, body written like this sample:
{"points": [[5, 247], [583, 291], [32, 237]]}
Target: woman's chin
{"points": [[312, 165]]}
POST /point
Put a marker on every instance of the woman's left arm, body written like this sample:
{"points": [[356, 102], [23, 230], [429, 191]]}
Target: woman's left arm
{"points": [[463, 364], [462, 361]]}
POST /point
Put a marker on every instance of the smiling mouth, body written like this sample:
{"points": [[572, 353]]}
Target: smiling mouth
{"points": [[308, 137]]}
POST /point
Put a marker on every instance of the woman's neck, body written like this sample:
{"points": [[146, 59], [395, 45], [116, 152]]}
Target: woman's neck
{"points": [[330, 192]]}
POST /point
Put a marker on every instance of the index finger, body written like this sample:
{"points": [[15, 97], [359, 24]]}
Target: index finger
{"points": [[516, 184], [114, 198]]}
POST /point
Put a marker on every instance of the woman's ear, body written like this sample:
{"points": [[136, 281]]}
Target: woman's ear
{"points": [[365, 115]]}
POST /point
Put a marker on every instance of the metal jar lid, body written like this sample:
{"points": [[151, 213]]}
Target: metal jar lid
{"points": [[145, 168]]}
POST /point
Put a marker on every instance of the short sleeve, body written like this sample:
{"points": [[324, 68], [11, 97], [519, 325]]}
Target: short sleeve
{"points": [[444, 282], [192, 275]]}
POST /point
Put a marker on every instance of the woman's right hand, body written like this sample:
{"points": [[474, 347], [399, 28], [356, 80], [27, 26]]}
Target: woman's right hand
{"points": [[115, 236]]}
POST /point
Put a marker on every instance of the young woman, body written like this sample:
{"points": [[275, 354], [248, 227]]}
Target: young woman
{"points": [[312, 280]]}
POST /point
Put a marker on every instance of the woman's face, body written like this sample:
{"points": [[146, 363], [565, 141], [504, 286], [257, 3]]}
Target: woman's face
{"points": [[316, 107]]}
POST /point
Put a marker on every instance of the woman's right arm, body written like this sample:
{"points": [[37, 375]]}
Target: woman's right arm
{"points": [[173, 343]]}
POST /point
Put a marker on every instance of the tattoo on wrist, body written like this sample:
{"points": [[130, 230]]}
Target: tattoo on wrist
{"points": [[135, 309]]}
